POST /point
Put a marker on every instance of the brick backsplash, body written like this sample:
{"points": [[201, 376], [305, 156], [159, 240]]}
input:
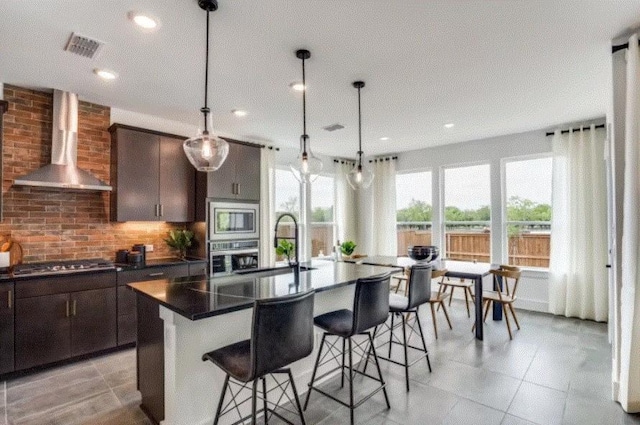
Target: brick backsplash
{"points": [[55, 224]]}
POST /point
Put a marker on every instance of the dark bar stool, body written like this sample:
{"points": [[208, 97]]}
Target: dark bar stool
{"points": [[370, 309], [403, 307], [282, 333]]}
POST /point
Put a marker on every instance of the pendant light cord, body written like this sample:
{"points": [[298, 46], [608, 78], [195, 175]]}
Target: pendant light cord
{"points": [[304, 109], [205, 110], [359, 131]]}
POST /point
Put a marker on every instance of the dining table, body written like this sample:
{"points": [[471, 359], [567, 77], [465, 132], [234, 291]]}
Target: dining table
{"points": [[474, 271]]}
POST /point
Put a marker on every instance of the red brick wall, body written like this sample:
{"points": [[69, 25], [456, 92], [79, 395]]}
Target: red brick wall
{"points": [[54, 224]]}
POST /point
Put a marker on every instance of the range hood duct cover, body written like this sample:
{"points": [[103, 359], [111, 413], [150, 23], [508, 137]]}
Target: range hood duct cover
{"points": [[63, 172]]}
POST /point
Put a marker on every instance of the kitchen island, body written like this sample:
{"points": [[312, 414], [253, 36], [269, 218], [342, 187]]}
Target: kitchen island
{"points": [[182, 318]]}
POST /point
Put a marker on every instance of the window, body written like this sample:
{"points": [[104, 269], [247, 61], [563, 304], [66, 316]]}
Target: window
{"points": [[414, 211], [528, 211], [287, 201], [467, 213], [322, 222]]}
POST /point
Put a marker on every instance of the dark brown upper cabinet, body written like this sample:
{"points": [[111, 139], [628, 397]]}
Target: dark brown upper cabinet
{"points": [[239, 175], [237, 179], [151, 176]]}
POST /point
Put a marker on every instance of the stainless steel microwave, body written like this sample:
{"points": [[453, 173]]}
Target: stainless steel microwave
{"points": [[234, 220]]}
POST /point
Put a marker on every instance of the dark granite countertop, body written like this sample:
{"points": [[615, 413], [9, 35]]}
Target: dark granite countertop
{"points": [[200, 297], [156, 262]]}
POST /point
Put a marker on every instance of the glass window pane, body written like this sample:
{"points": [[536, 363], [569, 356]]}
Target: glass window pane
{"points": [[414, 211], [528, 211], [287, 201], [467, 213], [322, 205]]}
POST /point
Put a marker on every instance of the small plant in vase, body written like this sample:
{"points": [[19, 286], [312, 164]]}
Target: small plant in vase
{"points": [[347, 248], [286, 249], [180, 240]]}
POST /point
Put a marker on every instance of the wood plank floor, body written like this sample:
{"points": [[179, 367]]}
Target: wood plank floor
{"points": [[555, 371]]}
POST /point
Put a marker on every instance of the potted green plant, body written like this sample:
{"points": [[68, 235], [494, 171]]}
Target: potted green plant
{"points": [[180, 239], [347, 248], [286, 249]]}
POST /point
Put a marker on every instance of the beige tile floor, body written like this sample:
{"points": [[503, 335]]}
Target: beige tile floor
{"points": [[555, 371]]}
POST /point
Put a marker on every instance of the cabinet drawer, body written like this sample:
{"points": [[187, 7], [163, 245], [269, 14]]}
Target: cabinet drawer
{"points": [[196, 269], [152, 273], [50, 285]]}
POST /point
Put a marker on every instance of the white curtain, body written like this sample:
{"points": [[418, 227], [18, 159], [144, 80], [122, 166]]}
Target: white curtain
{"points": [[345, 204], [626, 365], [267, 206], [383, 212], [578, 282]]}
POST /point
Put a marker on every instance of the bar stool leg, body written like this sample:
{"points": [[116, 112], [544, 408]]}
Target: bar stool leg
{"points": [[295, 394], [351, 408], [254, 401], [315, 369], [391, 334], [221, 402], [342, 370], [424, 344], [264, 400], [375, 357], [406, 352]]}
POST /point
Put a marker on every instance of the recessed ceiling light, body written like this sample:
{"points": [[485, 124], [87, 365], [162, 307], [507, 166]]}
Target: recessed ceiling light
{"points": [[142, 20], [297, 86], [384, 139], [104, 74], [449, 125], [239, 112]]}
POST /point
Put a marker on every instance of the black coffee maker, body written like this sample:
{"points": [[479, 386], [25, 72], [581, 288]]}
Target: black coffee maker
{"points": [[143, 252]]}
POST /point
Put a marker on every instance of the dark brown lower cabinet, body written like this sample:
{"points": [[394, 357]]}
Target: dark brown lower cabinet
{"points": [[93, 321], [43, 330], [60, 317], [6, 327]]}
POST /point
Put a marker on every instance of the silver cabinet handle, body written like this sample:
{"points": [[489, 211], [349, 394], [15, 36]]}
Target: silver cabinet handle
{"points": [[155, 274], [155, 213], [237, 188], [10, 300], [161, 210], [73, 307], [67, 304]]}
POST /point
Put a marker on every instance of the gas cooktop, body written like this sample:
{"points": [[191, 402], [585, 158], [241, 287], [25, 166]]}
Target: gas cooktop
{"points": [[61, 267]]}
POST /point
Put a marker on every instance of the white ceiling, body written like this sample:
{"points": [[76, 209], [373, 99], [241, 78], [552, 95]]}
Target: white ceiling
{"points": [[491, 67]]}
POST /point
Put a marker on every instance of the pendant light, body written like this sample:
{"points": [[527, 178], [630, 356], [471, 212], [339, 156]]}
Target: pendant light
{"points": [[307, 167], [206, 151], [360, 177]]}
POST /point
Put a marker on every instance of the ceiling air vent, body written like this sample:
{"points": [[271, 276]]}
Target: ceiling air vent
{"points": [[83, 46], [333, 127]]}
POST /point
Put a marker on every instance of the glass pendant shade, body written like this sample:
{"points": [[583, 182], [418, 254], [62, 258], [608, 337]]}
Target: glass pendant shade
{"points": [[307, 166], [359, 177], [206, 152]]}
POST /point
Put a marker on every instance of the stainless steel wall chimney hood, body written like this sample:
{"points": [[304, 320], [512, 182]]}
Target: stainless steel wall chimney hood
{"points": [[63, 172]]}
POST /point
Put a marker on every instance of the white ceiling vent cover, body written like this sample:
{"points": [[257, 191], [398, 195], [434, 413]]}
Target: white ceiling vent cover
{"points": [[333, 127], [83, 46]]}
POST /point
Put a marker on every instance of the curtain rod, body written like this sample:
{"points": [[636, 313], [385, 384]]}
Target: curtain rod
{"points": [[344, 161], [566, 131], [270, 147], [621, 47], [388, 158]]}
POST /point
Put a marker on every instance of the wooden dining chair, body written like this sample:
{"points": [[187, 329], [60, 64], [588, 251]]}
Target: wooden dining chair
{"points": [[466, 286], [438, 298], [510, 276]]}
